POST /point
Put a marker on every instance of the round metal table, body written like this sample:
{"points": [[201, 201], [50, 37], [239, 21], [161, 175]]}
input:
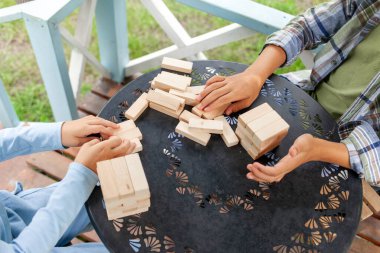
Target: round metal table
{"points": [[201, 200]]}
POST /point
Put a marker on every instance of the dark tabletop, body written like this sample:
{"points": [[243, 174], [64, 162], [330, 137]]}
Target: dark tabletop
{"points": [[201, 200]]}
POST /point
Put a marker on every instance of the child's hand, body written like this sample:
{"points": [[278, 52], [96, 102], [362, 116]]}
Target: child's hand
{"points": [[95, 151], [240, 90], [301, 152], [76, 133]]}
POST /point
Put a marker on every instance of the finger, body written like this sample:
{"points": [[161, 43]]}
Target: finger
{"points": [[98, 129], [131, 147], [237, 106], [293, 151], [215, 79], [122, 149], [111, 143], [213, 96], [252, 176], [223, 100], [103, 122], [208, 90], [87, 140], [92, 142], [262, 176]]}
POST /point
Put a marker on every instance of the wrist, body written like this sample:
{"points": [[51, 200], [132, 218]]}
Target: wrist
{"points": [[255, 78]]}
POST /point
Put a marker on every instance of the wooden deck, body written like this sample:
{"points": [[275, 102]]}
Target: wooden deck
{"points": [[42, 169]]}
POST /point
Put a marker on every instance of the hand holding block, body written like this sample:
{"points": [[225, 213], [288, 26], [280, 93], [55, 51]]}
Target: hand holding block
{"points": [[199, 137], [228, 135], [177, 65], [165, 99], [215, 113], [186, 116], [137, 108], [206, 126]]}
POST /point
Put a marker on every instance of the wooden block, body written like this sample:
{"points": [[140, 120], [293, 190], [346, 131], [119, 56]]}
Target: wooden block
{"points": [[254, 113], [177, 65], [124, 126], [251, 149], [165, 99], [122, 177], [266, 120], [131, 134], [139, 204], [201, 138], [229, 137], [107, 180], [117, 213], [371, 198], [137, 108], [162, 109], [136, 171], [190, 98], [215, 113], [197, 111], [186, 115], [138, 146], [195, 89], [273, 134], [177, 78], [206, 126], [166, 84]]}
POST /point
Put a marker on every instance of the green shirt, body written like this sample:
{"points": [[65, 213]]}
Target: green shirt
{"points": [[339, 90]]}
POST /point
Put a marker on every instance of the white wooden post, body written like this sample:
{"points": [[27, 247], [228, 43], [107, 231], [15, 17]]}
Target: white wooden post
{"points": [[111, 23], [8, 116], [83, 35], [47, 45]]}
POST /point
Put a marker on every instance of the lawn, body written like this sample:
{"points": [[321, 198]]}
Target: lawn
{"points": [[20, 74]]}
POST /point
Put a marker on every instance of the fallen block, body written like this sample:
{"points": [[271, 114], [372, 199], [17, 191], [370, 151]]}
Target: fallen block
{"points": [[165, 99], [199, 137], [190, 98], [197, 111], [164, 110], [215, 113], [195, 89], [186, 116], [137, 108], [229, 137], [177, 65], [206, 126]]}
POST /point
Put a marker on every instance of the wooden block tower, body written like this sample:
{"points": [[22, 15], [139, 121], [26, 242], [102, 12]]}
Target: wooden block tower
{"points": [[261, 130], [124, 186]]}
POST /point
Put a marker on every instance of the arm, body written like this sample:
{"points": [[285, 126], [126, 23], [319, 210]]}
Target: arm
{"points": [[29, 139], [305, 149], [50, 222], [306, 31]]}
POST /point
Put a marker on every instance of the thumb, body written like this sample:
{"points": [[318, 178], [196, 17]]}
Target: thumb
{"points": [[93, 142], [237, 106]]}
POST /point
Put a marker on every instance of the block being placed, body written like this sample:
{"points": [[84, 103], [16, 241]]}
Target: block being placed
{"points": [[190, 98], [162, 109], [124, 126], [229, 137], [195, 89], [254, 113], [206, 126], [138, 146], [165, 99], [137, 108], [131, 134], [177, 65], [186, 116], [199, 137], [215, 113]]}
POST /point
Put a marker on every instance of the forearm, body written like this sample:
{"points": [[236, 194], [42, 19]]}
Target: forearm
{"points": [[50, 222], [270, 59], [331, 152]]}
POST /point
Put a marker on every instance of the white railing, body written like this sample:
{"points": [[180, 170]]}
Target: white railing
{"points": [[62, 83]]}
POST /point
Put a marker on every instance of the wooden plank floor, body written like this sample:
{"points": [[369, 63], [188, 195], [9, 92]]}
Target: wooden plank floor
{"points": [[45, 168]]}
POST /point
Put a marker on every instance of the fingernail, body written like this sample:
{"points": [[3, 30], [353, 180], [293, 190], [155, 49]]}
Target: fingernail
{"points": [[199, 98], [249, 176]]}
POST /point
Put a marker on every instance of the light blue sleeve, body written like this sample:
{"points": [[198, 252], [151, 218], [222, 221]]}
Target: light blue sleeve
{"points": [[29, 139], [50, 222]]}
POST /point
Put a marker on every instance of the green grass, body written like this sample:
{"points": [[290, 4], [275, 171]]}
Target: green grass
{"points": [[20, 73]]}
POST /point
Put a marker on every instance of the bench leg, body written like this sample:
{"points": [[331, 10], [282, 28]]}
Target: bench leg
{"points": [[8, 116], [111, 23], [47, 45]]}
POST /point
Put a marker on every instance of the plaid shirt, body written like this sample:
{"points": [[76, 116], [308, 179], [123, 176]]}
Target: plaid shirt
{"points": [[341, 25]]}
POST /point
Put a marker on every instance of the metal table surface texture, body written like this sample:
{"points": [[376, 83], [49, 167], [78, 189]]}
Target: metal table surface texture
{"points": [[201, 200]]}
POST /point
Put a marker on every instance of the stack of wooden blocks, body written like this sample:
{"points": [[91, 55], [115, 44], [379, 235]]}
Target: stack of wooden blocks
{"points": [[124, 186], [261, 130]]}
